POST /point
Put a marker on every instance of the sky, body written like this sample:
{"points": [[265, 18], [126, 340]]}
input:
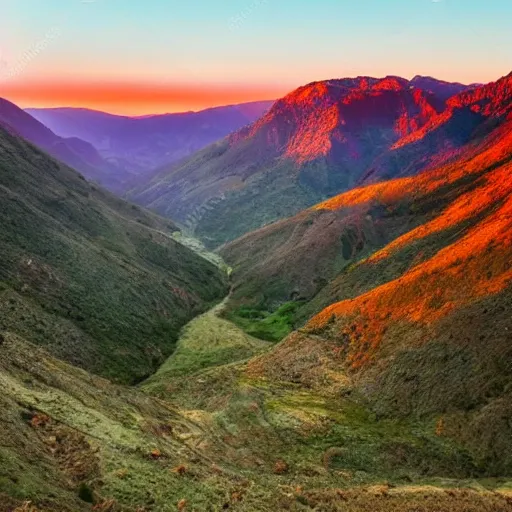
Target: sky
{"points": [[137, 57]]}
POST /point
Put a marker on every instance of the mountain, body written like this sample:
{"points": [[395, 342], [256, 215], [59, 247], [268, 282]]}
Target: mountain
{"points": [[393, 393], [321, 139], [440, 88], [142, 144], [74, 442], [76, 153], [400, 291], [96, 281], [295, 258]]}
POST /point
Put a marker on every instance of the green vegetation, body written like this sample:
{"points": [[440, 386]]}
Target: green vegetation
{"points": [[96, 281], [197, 246], [69, 438], [263, 324], [397, 398], [206, 342]]}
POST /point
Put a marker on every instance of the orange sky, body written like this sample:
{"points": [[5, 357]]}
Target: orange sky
{"points": [[133, 98]]}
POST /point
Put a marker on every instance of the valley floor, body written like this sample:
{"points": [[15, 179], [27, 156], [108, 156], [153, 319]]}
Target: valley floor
{"points": [[203, 434]]}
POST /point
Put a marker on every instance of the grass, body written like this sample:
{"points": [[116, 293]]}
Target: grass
{"points": [[69, 436], [263, 324], [207, 342]]}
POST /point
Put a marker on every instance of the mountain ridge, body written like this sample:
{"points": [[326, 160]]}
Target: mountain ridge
{"points": [[321, 139], [61, 237]]}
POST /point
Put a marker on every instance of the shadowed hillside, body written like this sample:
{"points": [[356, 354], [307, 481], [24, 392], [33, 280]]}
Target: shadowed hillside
{"points": [[73, 151], [142, 144], [97, 281]]}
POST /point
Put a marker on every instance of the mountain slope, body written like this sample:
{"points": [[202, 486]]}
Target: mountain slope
{"points": [[76, 153], [73, 442], [142, 144], [321, 139], [411, 303], [98, 282], [295, 258]]}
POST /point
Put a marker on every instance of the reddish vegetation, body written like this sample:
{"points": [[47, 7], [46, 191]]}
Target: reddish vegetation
{"points": [[156, 454], [39, 420], [281, 467], [452, 278], [180, 470], [492, 100], [474, 160], [321, 118]]}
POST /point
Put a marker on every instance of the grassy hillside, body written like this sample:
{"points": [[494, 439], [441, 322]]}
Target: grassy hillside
{"points": [[97, 281], [75, 152], [73, 442], [207, 342]]}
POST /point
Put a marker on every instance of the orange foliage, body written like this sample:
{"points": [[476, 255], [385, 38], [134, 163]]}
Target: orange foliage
{"points": [[106, 506], [476, 265], [281, 467], [307, 143], [474, 161], [440, 427], [39, 420], [494, 189], [156, 454], [305, 124], [492, 100]]}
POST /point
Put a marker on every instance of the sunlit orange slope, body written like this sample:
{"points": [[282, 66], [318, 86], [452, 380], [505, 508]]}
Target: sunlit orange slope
{"points": [[477, 264]]}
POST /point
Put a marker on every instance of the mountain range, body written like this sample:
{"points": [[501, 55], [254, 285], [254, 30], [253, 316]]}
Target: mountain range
{"points": [[73, 151], [139, 145], [98, 282], [319, 140], [401, 288]]}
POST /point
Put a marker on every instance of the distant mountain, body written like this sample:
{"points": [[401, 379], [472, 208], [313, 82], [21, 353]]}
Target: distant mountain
{"points": [[98, 282], [440, 88], [73, 151], [297, 257], [142, 144]]}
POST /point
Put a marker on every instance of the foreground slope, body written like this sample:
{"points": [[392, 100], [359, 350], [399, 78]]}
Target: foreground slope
{"points": [[320, 140], [97, 281], [142, 144], [73, 442], [75, 152]]}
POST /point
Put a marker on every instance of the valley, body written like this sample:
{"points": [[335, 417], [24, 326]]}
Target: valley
{"points": [[319, 320]]}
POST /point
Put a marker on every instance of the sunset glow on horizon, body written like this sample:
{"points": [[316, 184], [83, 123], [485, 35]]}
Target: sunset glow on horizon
{"points": [[131, 98], [139, 58]]}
